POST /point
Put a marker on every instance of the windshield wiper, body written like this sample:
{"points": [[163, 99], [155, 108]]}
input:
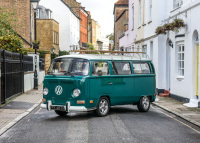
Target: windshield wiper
{"points": [[69, 73]]}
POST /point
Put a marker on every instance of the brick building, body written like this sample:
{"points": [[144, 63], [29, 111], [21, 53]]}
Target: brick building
{"points": [[47, 30], [48, 34], [83, 27], [92, 31], [120, 20], [25, 16]]}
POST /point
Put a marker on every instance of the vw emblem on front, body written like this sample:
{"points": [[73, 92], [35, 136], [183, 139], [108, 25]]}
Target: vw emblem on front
{"points": [[58, 90]]}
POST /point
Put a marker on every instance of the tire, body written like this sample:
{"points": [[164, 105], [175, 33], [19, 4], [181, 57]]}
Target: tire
{"points": [[61, 113], [144, 104], [103, 107]]}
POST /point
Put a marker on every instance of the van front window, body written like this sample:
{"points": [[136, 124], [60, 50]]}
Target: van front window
{"points": [[66, 66]]}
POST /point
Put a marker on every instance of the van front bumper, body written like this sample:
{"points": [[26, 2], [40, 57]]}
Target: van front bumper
{"points": [[66, 108]]}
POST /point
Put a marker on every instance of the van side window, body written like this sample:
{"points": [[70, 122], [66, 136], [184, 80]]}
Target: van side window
{"points": [[141, 68], [100, 67], [121, 68]]}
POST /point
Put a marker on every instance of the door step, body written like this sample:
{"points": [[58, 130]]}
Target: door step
{"points": [[165, 94], [194, 103]]}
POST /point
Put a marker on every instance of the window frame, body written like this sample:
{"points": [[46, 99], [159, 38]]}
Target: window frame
{"points": [[181, 60], [102, 62], [176, 4], [140, 14], [140, 63], [133, 16], [150, 10], [144, 49], [121, 62]]}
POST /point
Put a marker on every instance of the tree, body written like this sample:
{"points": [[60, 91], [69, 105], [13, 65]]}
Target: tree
{"points": [[9, 39], [7, 21], [110, 36], [90, 46]]}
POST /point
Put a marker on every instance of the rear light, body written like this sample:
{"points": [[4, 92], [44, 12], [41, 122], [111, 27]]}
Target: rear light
{"points": [[155, 94]]}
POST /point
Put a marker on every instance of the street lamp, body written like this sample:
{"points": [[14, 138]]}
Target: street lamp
{"points": [[35, 44], [170, 43], [53, 50]]}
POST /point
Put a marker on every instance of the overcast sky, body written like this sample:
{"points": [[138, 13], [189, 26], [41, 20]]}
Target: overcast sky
{"points": [[102, 12]]}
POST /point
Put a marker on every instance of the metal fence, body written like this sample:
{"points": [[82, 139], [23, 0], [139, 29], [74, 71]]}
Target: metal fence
{"points": [[27, 63], [42, 64], [13, 66]]}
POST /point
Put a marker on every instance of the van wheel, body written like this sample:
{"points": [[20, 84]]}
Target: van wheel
{"points": [[61, 113], [144, 104], [103, 107]]}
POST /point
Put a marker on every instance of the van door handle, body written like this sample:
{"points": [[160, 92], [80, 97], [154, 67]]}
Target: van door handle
{"points": [[110, 83]]}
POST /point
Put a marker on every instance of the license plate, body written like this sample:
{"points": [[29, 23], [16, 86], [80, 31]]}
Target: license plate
{"points": [[60, 108]]}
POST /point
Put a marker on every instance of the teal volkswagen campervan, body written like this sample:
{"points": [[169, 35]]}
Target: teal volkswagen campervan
{"points": [[97, 82]]}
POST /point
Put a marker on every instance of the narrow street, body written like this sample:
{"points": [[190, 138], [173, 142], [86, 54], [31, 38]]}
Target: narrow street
{"points": [[123, 124]]}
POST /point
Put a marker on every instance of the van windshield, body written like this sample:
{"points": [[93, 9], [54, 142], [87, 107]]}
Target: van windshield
{"points": [[69, 66]]}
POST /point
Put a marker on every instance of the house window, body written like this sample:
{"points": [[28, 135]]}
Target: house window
{"points": [[150, 10], [38, 13], [144, 50], [133, 17], [138, 48], [181, 60], [176, 4], [151, 50], [140, 13]]}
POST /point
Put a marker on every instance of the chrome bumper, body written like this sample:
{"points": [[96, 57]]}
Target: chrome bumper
{"points": [[67, 108]]}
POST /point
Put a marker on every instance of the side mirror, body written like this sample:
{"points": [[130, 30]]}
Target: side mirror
{"points": [[99, 73]]}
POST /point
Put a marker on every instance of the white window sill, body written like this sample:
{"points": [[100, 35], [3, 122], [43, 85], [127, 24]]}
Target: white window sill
{"points": [[180, 78], [175, 9]]}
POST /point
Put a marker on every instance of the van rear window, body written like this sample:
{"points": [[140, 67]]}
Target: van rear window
{"points": [[121, 68], [141, 68]]}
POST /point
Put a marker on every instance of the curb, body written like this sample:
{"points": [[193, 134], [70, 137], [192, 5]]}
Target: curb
{"points": [[18, 118], [177, 114]]}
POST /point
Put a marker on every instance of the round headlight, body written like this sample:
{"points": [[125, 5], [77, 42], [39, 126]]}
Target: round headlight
{"points": [[76, 92], [45, 91]]}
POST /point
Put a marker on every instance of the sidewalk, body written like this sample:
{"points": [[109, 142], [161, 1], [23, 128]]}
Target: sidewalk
{"points": [[18, 108], [190, 114]]}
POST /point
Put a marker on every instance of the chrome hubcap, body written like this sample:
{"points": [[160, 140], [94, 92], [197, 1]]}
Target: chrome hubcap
{"points": [[103, 106], [145, 102]]}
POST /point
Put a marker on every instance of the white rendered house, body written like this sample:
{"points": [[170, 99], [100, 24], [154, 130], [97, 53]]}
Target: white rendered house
{"points": [[181, 57], [155, 45], [69, 23]]}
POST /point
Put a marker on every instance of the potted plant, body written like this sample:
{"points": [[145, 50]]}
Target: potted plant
{"points": [[36, 44], [174, 26]]}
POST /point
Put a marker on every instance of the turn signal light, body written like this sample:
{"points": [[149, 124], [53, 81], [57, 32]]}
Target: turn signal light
{"points": [[81, 102], [43, 100], [91, 101]]}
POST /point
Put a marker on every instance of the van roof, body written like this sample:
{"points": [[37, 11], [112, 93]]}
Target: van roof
{"points": [[103, 57]]}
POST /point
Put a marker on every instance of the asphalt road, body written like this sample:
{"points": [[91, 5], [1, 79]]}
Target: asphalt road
{"points": [[124, 124]]}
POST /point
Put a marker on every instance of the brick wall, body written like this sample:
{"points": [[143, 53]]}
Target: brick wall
{"points": [[48, 34], [121, 21], [83, 28], [23, 10], [47, 62]]}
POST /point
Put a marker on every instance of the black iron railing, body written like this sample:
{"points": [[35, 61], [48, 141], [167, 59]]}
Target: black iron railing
{"points": [[13, 66]]}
